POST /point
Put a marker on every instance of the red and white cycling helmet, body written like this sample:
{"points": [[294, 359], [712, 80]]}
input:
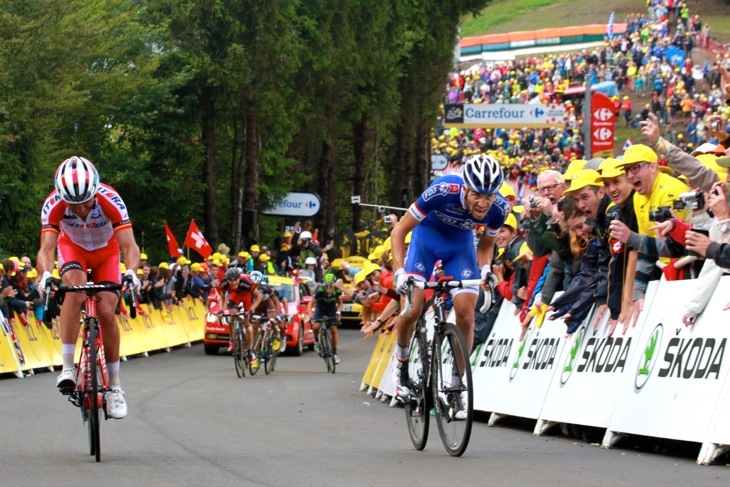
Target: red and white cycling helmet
{"points": [[482, 174], [76, 180]]}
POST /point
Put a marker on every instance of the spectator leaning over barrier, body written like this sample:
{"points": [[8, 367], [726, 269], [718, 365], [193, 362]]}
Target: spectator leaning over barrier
{"points": [[591, 198], [620, 282], [541, 241], [655, 191]]}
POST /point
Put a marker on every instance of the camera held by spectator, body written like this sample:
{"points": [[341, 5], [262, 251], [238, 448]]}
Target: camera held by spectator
{"points": [[691, 200], [661, 214]]}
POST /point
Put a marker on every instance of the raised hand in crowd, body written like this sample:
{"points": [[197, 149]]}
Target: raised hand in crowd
{"points": [[620, 231], [662, 229], [718, 201], [650, 128]]}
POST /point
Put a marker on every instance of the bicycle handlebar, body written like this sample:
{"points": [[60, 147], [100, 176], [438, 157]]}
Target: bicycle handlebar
{"points": [[441, 285], [93, 289]]}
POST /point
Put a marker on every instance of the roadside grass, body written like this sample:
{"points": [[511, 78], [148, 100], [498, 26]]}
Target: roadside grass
{"points": [[502, 16]]}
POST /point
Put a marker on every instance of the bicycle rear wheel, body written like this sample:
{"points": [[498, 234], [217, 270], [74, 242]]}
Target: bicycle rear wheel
{"points": [[451, 384], [93, 392], [253, 366], [239, 352], [419, 404]]}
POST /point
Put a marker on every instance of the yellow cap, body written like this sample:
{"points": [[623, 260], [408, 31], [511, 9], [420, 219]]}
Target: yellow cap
{"points": [[122, 268], [254, 248], [710, 160], [610, 169], [287, 234], [518, 208], [195, 267], [244, 254], [164, 265], [511, 221], [32, 274], [507, 191], [638, 153], [143, 256], [408, 237], [574, 166], [585, 177], [264, 257], [140, 272], [55, 274], [369, 268], [359, 277]]}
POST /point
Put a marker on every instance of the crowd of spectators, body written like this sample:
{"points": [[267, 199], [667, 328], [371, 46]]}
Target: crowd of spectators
{"points": [[601, 229]]}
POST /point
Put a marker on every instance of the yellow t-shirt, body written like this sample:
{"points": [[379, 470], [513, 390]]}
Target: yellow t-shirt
{"points": [[665, 190]]}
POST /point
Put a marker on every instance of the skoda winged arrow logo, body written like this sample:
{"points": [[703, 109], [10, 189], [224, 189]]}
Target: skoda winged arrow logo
{"points": [[518, 358], [650, 357], [572, 354]]}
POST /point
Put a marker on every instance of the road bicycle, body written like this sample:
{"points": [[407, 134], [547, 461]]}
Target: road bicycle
{"points": [[92, 380], [238, 337], [263, 346], [439, 372], [324, 342]]}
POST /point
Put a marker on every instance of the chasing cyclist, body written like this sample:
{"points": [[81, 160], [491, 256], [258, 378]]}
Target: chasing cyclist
{"points": [[442, 220], [241, 292], [327, 303], [87, 222], [272, 308]]}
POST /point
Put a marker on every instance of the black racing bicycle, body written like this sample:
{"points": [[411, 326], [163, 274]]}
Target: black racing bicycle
{"points": [[238, 337], [324, 342], [92, 381], [439, 372], [263, 346]]}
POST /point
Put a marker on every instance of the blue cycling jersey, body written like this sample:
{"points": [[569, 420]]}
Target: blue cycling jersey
{"points": [[445, 230], [442, 207]]}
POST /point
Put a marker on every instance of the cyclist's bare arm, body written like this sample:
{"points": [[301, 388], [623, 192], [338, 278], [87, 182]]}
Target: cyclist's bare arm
{"points": [[46, 254], [129, 248], [257, 298], [485, 250], [398, 239]]}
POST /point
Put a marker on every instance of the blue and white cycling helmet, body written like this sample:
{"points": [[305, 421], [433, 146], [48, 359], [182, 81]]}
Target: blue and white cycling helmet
{"points": [[482, 174], [256, 277]]}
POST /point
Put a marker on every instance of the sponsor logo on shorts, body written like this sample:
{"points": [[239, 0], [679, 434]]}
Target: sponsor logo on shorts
{"points": [[466, 273], [420, 267]]}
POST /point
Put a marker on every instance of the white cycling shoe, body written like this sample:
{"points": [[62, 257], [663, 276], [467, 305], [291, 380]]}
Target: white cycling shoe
{"points": [[66, 380], [116, 406], [401, 381]]}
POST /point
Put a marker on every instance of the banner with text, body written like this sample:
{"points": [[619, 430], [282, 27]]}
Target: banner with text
{"points": [[503, 115]]}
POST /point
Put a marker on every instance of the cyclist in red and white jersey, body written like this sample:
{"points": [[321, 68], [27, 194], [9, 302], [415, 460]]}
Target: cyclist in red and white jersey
{"points": [[88, 224], [241, 291]]}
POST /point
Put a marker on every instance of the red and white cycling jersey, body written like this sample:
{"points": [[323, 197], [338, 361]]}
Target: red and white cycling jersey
{"points": [[108, 216]]}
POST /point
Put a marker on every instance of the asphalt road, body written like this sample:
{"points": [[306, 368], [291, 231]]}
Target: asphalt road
{"points": [[193, 422]]}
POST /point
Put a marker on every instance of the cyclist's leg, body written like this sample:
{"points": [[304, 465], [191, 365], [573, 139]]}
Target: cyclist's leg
{"points": [[464, 303], [72, 265]]}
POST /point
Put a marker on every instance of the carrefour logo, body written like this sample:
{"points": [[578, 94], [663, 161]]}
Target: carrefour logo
{"points": [[539, 112]]}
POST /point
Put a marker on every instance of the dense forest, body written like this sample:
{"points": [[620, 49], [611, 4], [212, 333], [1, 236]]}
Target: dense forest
{"points": [[212, 109]]}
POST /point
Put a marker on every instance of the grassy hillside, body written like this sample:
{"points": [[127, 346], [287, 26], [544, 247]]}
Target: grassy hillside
{"points": [[502, 16]]}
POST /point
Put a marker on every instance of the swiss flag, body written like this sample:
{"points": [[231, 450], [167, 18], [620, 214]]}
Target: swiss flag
{"points": [[197, 242], [172, 245]]}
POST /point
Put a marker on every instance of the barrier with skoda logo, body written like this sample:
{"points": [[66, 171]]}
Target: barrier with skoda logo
{"points": [[583, 391], [512, 377], [678, 374]]}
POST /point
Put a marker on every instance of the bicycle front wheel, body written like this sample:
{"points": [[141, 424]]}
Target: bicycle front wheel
{"points": [[418, 405], [327, 353], [452, 388], [239, 352], [93, 393], [270, 354], [253, 366]]}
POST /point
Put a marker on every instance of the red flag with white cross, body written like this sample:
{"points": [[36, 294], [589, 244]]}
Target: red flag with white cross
{"points": [[172, 246], [197, 242]]}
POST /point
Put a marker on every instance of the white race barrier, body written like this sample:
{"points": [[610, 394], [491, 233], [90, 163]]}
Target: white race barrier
{"points": [[512, 377], [584, 391], [677, 373]]}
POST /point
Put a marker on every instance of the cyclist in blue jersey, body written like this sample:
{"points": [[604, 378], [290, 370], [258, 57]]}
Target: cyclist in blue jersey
{"points": [[442, 221]]}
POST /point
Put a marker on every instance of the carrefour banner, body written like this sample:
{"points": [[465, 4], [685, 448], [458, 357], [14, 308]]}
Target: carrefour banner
{"points": [[512, 377], [677, 374], [503, 115]]}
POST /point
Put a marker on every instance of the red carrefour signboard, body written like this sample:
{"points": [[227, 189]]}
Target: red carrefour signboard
{"points": [[603, 125]]}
